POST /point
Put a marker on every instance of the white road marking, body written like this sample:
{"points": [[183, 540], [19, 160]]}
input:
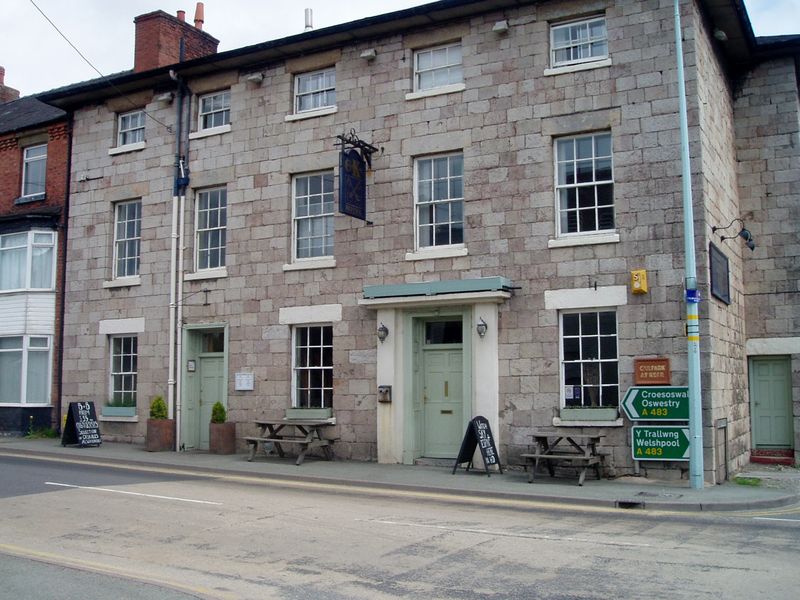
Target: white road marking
{"points": [[775, 519], [99, 489], [532, 536]]}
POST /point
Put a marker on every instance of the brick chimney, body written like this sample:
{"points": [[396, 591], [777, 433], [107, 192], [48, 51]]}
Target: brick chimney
{"points": [[158, 38], [7, 94]]}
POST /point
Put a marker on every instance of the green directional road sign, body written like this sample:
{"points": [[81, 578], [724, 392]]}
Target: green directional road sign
{"points": [[660, 442], [654, 403]]}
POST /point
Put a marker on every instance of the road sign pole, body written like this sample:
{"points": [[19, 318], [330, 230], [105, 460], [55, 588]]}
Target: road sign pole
{"points": [[692, 318]]}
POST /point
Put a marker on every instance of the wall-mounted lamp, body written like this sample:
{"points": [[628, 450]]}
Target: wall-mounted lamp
{"points": [[501, 27], [743, 233], [720, 35], [166, 97], [369, 54], [254, 78], [383, 332], [481, 327]]}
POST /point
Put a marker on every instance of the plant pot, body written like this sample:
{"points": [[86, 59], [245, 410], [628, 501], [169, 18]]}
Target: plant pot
{"points": [[222, 438], [309, 413], [160, 435]]}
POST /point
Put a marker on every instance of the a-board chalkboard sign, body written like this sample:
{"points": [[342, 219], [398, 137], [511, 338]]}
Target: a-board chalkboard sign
{"points": [[81, 428], [478, 435]]}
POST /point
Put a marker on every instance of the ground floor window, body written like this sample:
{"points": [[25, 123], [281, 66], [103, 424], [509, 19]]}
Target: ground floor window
{"points": [[124, 373], [25, 369], [313, 366], [589, 362]]}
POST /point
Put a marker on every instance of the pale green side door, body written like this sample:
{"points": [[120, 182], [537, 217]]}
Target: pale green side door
{"points": [[212, 380], [443, 401], [771, 402]]}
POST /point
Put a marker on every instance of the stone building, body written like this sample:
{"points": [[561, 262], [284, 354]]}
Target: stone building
{"points": [[527, 162], [34, 147]]}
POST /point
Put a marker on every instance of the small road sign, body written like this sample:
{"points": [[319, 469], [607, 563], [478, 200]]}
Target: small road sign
{"points": [[660, 442], [656, 403]]}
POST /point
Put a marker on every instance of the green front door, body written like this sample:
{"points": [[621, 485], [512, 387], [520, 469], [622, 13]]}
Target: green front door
{"points": [[771, 402], [211, 391]]}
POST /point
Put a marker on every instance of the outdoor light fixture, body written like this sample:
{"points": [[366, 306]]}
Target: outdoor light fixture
{"points": [[481, 327], [369, 54], [501, 27], [255, 78], [165, 97], [743, 233], [383, 332]]}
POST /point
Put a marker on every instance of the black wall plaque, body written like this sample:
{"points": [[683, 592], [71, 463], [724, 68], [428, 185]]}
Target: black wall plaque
{"points": [[478, 435], [81, 428]]}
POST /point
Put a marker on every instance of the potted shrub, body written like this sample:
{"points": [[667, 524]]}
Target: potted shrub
{"points": [[221, 433], [160, 429]]}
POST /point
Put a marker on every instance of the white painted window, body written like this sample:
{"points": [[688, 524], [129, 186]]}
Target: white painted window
{"points": [[578, 42], [313, 366], [25, 369], [211, 220], [589, 359], [130, 128], [584, 184], [127, 238], [27, 261], [313, 205], [438, 67], [439, 199], [215, 110], [124, 371], [34, 170], [315, 90]]}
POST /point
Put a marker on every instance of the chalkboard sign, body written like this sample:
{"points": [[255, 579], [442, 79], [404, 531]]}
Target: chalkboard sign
{"points": [[478, 435], [81, 428]]}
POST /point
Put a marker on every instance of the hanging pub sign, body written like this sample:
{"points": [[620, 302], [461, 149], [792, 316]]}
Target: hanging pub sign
{"points": [[81, 428], [352, 184], [478, 436]]}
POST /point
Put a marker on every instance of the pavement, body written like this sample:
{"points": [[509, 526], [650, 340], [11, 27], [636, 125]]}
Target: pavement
{"points": [[774, 486]]}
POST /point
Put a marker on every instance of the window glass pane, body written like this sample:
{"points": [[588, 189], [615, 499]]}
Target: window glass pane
{"points": [[38, 379], [13, 264], [10, 373], [42, 267], [443, 332]]}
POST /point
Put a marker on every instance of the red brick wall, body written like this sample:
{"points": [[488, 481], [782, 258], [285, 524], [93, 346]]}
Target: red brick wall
{"points": [[158, 38]]}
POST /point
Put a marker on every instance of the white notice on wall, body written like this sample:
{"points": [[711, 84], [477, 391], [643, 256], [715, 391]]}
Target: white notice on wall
{"points": [[244, 382]]}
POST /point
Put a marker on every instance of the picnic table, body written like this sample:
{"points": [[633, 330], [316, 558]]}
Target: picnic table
{"points": [[303, 432], [571, 449]]}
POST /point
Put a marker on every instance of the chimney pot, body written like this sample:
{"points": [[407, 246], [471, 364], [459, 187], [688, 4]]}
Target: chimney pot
{"points": [[199, 16], [309, 20], [181, 16]]}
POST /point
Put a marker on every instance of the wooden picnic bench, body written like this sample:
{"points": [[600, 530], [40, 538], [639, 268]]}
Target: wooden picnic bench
{"points": [[577, 450], [303, 432]]}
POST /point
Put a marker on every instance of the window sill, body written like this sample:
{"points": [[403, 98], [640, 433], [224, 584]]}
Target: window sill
{"points": [[123, 282], [113, 419], [196, 135], [431, 253], [127, 148], [558, 422], [25, 405], [438, 91], [206, 274], [585, 66], [584, 240], [310, 114], [31, 198], [311, 263]]}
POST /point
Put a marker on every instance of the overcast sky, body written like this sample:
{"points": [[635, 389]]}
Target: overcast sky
{"points": [[37, 58]]}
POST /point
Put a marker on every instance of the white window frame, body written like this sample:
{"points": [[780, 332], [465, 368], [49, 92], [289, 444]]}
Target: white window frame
{"points": [[127, 244], [31, 243], [581, 190], [326, 91], [25, 348], [130, 128], [323, 216], [204, 233], [223, 110], [27, 163], [588, 360], [450, 67], [578, 44], [326, 388], [132, 374], [450, 200]]}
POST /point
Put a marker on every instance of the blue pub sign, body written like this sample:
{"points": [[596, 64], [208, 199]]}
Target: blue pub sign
{"points": [[353, 184]]}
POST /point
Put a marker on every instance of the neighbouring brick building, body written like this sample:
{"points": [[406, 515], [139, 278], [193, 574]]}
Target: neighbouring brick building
{"points": [[528, 162], [34, 150]]}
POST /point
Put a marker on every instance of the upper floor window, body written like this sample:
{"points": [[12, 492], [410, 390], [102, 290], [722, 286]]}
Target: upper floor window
{"points": [[215, 110], [211, 222], [127, 237], [130, 129], [27, 261], [34, 169], [315, 90], [25, 369], [313, 215], [439, 200], [437, 67], [578, 42], [589, 363], [584, 184]]}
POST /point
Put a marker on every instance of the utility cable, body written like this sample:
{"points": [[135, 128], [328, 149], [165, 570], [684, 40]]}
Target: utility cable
{"points": [[103, 77]]}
